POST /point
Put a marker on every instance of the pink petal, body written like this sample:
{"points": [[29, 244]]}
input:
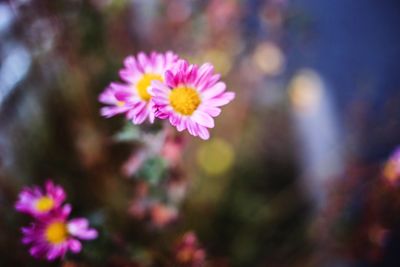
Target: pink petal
{"points": [[210, 82], [160, 100], [159, 89], [53, 253], [109, 112], [203, 132], [159, 62], [66, 210], [190, 125], [161, 115], [181, 125], [190, 75], [144, 61], [141, 116], [212, 111], [203, 73], [75, 224], [221, 100], [139, 107], [122, 95], [130, 62], [36, 251], [203, 119], [151, 116], [170, 79], [74, 245], [127, 75], [174, 119], [119, 87], [214, 91], [79, 228], [107, 97]]}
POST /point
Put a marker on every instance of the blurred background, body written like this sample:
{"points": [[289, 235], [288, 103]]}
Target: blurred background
{"points": [[298, 169]]}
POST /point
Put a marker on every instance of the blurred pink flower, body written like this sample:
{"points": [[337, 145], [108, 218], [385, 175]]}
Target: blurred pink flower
{"points": [[172, 148], [378, 234], [162, 215], [38, 202], [222, 14], [176, 190], [190, 98], [138, 73], [140, 204], [138, 208], [134, 162], [114, 106], [54, 236], [391, 171], [188, 252]]}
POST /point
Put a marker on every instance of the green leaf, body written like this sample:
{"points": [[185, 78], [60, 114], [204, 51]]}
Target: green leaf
{"points": [[130, 133], [153, 170]]}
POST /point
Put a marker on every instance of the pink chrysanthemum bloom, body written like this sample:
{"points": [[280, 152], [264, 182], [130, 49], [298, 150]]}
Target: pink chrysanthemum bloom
{"points": [[190, 97], [36, 202], [53, 237], [114, 106], [138, 73]]}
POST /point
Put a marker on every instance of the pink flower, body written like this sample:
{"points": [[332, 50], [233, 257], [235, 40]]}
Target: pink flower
{"points": [[172, 148], [190, 97], [162, 215], [53, 237], [114, 106], [133, 97], [188, 251], [138, 208], [36, 202], [391, 171]]}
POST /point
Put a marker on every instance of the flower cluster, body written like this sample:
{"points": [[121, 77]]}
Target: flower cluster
{"points": [[161, 85], [52, 234], [188, 252], [145, 206]]}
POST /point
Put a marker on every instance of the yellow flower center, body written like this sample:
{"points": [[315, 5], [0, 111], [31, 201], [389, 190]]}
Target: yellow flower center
{"points": [[184, 100], [56, 232], [144, 84], [44, 204]]}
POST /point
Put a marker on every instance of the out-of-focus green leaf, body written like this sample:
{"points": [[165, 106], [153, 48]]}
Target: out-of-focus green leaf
{"points": [[130, 133], [153, 170]]}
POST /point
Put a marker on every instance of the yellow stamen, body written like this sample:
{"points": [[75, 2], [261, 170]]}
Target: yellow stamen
{"points": [[56, 232], [144, 83], [44, 204], [184, 100]]}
